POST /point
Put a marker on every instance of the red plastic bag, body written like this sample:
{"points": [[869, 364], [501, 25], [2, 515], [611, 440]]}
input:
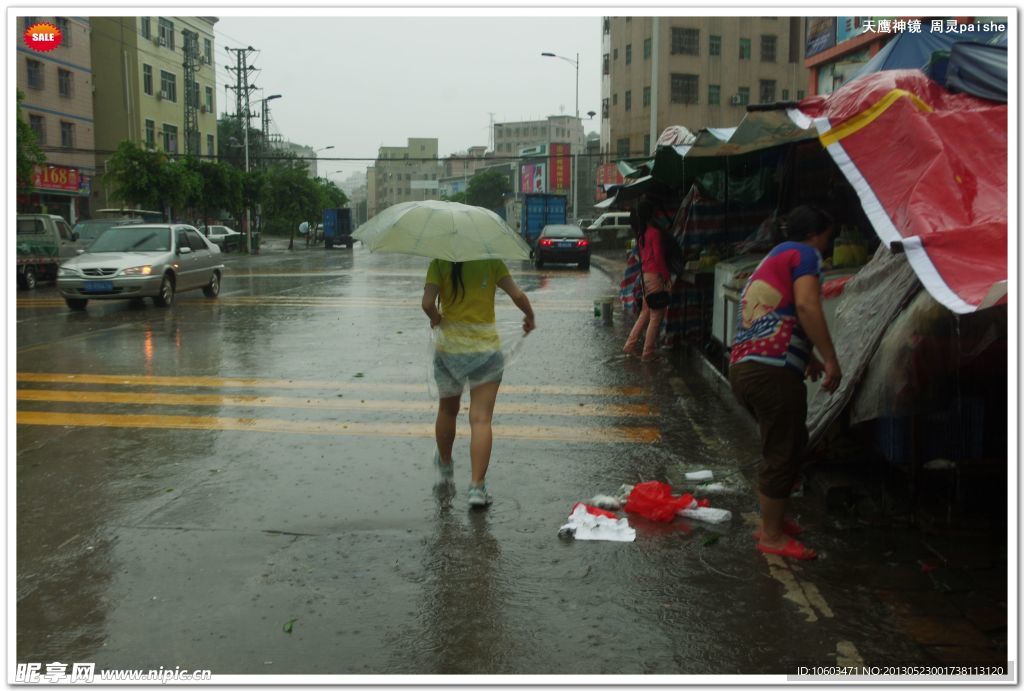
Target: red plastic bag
{"points": [[593, 510], [654, 500]]}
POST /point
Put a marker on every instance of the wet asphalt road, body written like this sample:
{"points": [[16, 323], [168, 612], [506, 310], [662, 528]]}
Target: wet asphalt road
{"points": [[190, 480]]}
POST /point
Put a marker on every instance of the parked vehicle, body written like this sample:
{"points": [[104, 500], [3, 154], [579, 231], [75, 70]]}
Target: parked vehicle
{"points": [[562, 242], [540, 210], [225, 238], [338, 228], [611, 229], [136, 261], [92, 228], [43, 242]]}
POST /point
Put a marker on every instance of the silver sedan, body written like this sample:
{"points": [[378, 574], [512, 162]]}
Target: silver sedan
{"points": [[152, 260]]}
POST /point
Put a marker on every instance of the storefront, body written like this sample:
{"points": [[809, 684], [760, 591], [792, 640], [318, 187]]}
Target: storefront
{"points": [[60, 190]]}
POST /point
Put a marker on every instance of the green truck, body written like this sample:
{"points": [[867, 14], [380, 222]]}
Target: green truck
{"points": [[43, 242]]}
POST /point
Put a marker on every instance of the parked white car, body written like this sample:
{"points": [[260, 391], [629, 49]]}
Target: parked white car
{"points": [[136, 261]]}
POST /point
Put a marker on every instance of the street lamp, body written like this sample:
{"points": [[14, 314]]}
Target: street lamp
{"points": [[315, 152], [575, 157]]}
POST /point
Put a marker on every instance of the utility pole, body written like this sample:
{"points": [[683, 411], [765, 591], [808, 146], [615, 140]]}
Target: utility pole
{"points": [[191, 50], [242, 91]]}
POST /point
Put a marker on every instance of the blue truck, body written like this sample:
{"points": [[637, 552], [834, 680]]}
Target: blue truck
{"points": [[338, 228], [540, 210]]}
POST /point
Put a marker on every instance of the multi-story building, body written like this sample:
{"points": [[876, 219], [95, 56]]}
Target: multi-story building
{"points": [[693, 71], [460, 167], [510, 138], [403, 174], [141, 86], [58, 104]]}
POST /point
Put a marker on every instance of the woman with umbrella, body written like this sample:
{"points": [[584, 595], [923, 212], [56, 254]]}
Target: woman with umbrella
{"points": [[467, 244], [459, 299]]}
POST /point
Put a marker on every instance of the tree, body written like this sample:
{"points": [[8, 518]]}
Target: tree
{"points": [[459, 197], [290, 197], [488, 189], [29, 153], [220, 187], [331, 196], [150, 180]]}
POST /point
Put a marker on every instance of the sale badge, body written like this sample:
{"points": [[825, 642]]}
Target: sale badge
{"points": [[42, 37]]}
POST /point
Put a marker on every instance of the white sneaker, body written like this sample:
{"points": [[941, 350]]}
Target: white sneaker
{"points": [[478, 496], [445, 471]]}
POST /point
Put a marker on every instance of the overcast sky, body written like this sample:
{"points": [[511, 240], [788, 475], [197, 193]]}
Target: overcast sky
{"points": [[359, 83]]}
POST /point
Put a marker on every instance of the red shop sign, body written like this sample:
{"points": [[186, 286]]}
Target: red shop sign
{"points": [[56, 178]]}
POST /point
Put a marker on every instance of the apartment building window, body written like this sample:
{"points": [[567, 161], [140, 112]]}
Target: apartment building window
{"points": [[685, 41], [622, 146], [195, 95], [629, 100], [800, 95], [605, 110], [65, 30], [767, 91], [208, 51], [714, 45], [150, 134], [714, 94], [209, 99], [744, 93], [744, 49], [615, 99], [647, 49], [35, 73], [647, 143], [144, 27], [65, 83], [647, 96], [166, 29], [67, 135], [684, 88], [615, 53], [629, 53], [209, 145], [38, 126], [606, 67], [147, 79], [785, 94], [768, 49], [170, 139], [168, 86]]}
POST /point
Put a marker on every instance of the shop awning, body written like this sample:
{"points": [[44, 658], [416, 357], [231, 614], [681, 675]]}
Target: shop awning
{"points": [[930, 168], [760, 129]]}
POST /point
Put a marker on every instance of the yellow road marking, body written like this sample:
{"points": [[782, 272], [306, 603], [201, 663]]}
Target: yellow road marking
{"points": [[254, 383], [139, 398], [643, 435]]}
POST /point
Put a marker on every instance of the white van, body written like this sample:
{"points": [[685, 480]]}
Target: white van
{"points": [[612, 229]]}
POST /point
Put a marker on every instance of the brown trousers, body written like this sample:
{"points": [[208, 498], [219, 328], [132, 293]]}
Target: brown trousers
{"points": [[777, 398]]}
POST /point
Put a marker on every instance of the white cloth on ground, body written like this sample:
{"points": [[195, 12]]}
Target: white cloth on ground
{"points": [[587, 526], [706, 514], [607, 502], [700, 475]]}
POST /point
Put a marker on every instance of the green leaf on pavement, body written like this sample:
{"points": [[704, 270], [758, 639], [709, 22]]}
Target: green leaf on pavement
{"points": [[708, 541], [359, 375], [288, 626]]}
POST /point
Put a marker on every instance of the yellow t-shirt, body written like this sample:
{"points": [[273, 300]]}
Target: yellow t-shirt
{"points": [[468, 324]]}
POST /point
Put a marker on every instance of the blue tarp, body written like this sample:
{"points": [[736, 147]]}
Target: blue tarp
{"points": [[915, 51], [979, 70]]}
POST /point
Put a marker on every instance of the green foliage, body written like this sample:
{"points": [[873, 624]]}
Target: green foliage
{"points": [[290, 197], [459, 197], [488, 189], [134, 175], [331, 196], [29, 153]]}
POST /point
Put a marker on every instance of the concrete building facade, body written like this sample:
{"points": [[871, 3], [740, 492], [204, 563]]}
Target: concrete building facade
{"points": [[693, 71], [58, 105], [140, 85], [511, 137], [404, 174]]}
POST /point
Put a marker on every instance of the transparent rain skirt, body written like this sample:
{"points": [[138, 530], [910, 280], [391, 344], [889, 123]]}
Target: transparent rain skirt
{"points": [[462, 355]]}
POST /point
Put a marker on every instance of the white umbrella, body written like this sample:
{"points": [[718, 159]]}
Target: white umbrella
{"points": [[442, 230]]}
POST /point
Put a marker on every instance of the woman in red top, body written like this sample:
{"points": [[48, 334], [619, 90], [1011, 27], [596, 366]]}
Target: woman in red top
{"points": [[655, 276]]}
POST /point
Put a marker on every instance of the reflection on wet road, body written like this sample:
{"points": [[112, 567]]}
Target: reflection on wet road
{"points": [[190, 479]]}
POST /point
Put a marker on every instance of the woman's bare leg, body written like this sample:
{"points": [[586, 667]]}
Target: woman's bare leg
{"points": [[481, 411]]}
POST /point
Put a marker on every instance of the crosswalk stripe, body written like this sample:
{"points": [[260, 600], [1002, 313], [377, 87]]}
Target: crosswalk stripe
{"points": [[139, 398], [629, 434], [256, 383]]}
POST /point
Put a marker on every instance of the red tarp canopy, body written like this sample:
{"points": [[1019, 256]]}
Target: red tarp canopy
{"points": [[930, 168]]}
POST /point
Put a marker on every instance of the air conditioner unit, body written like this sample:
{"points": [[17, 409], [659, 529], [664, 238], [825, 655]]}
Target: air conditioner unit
{"points": [[202, 108], [736, 100], [160, 95], [162, 41], [157, 41]]}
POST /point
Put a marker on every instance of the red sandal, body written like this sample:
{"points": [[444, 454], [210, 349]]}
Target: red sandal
{"points": [[794, 549]]}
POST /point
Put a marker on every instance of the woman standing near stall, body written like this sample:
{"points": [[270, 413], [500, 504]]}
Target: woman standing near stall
{"points": [[654, 276]]}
